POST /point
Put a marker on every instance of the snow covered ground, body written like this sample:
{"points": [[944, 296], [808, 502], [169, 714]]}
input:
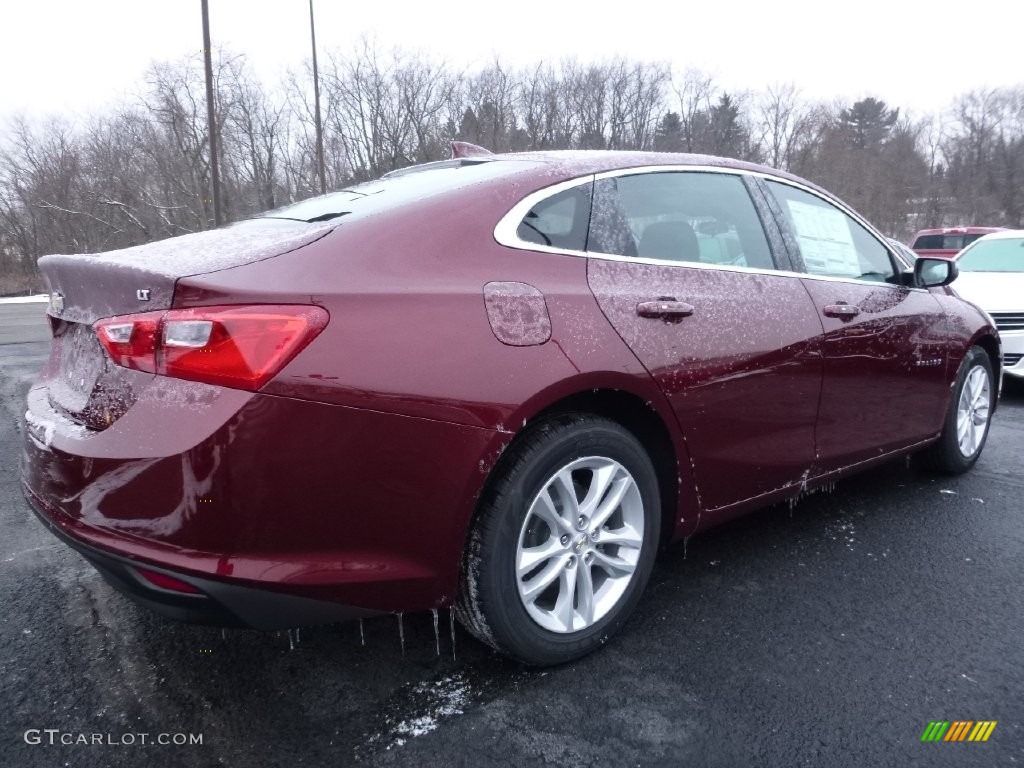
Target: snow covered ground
{"points": [[41, 297]]}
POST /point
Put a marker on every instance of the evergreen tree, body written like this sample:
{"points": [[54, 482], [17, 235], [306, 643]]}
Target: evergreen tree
{"points": [[868, 122]]}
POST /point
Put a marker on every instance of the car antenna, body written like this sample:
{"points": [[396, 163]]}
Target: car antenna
{"points": [[465, 149]]}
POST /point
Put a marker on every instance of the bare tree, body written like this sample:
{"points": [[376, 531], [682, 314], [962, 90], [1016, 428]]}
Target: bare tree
{"points": [[785, 122], [141, 170]]}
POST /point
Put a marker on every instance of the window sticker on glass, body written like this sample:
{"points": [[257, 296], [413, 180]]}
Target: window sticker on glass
{"points": [[825, 240]]}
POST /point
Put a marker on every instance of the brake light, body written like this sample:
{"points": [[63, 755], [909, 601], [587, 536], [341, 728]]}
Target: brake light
{"points": [[233, 346]]}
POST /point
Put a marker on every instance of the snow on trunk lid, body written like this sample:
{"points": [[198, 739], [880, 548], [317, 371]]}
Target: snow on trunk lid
{"points": [[82, 382], [106, 284]]}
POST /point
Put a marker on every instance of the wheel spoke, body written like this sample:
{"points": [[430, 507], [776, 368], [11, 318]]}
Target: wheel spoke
{"points": [[544, 508], [963, 425], [563, 609], [968, 441], [610, 504], [602, 478], [615, 566], [531, 557], [531, 590], [585, 593], [980, 380], [980, 400], [623, 537], [971, 385], [566, 491]]}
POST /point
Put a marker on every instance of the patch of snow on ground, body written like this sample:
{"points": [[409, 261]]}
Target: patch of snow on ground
{"points": [[37, 299], [432, 701], [842, 531]]}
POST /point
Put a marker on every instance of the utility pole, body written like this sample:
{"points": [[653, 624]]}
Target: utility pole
{"points": [[316, 103], [211, 121]]}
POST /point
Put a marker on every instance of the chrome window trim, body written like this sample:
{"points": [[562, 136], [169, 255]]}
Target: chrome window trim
{"points": [[505, 232]]}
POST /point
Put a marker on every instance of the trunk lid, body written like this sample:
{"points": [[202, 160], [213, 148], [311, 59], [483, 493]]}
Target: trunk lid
{"points": [[82, 381]]}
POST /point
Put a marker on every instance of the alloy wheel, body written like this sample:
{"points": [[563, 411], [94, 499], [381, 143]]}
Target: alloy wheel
{"points": [[973, 411], [579, 544]]}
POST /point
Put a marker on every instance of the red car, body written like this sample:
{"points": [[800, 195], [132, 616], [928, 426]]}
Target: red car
{"points": [[494, 383], [948, 242]]}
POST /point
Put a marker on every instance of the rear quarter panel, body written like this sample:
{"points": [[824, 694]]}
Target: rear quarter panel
{"points": [[409, 335]]}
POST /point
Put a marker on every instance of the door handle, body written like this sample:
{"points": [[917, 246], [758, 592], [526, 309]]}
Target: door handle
{"points": [[666, 308], [842, 310]]}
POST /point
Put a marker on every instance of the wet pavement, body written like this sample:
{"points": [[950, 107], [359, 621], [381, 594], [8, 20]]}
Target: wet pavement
{"points": [[826, 635], [23, 319]]}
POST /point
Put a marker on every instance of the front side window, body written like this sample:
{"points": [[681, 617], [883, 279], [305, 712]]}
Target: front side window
{"points": [[559, 221], [832, 244], [684, 216]]}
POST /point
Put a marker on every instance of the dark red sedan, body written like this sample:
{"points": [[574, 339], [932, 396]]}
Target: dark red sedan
{"points": [[495, 383]]}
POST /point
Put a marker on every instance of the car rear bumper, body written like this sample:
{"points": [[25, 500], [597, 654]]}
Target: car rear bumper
{"points": [[216, 602], [280, 511]]}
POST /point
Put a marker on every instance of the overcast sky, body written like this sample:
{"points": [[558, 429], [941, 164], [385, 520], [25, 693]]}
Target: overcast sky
{"points": [[79, 56]]}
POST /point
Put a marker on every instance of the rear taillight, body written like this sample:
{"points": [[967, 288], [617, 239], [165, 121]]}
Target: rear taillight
{"points": [[233, 346]]}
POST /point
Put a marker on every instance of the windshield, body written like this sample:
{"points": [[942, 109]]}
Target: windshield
{"points": [[1002, 255], [393, 191]]}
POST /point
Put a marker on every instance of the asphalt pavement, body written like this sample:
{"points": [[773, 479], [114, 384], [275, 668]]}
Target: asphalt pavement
{"points": [[829, 634], [22, 321]]}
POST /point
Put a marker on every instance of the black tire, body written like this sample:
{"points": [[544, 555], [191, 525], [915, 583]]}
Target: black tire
{"points": [[945, 455], [489, 603]]}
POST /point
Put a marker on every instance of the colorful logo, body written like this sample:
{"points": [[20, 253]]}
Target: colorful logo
{"points": [[958, 730]]}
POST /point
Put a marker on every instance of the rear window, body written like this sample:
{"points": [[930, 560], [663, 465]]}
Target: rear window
{"points": [[400, 188], [943, 242]]}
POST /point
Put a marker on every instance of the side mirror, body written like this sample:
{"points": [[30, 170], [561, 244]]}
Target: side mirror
{"points": [[933, 273]]}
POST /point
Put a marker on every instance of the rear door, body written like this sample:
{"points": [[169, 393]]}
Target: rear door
{"points": [[884, 344], [681, 266]]}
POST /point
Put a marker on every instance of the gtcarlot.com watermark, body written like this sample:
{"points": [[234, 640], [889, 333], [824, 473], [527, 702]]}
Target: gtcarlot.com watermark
{"points": [[56, 737]]}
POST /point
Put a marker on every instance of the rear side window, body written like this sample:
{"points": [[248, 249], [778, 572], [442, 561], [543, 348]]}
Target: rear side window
{"points": [[559, 221], [831, 243], [684, 216]]}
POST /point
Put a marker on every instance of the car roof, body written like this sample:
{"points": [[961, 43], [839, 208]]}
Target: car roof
{"points": [[574, 162], [1003, 234]]}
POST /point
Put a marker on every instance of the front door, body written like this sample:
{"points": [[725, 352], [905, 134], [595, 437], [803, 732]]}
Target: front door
{"points": [[884, 344]]}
